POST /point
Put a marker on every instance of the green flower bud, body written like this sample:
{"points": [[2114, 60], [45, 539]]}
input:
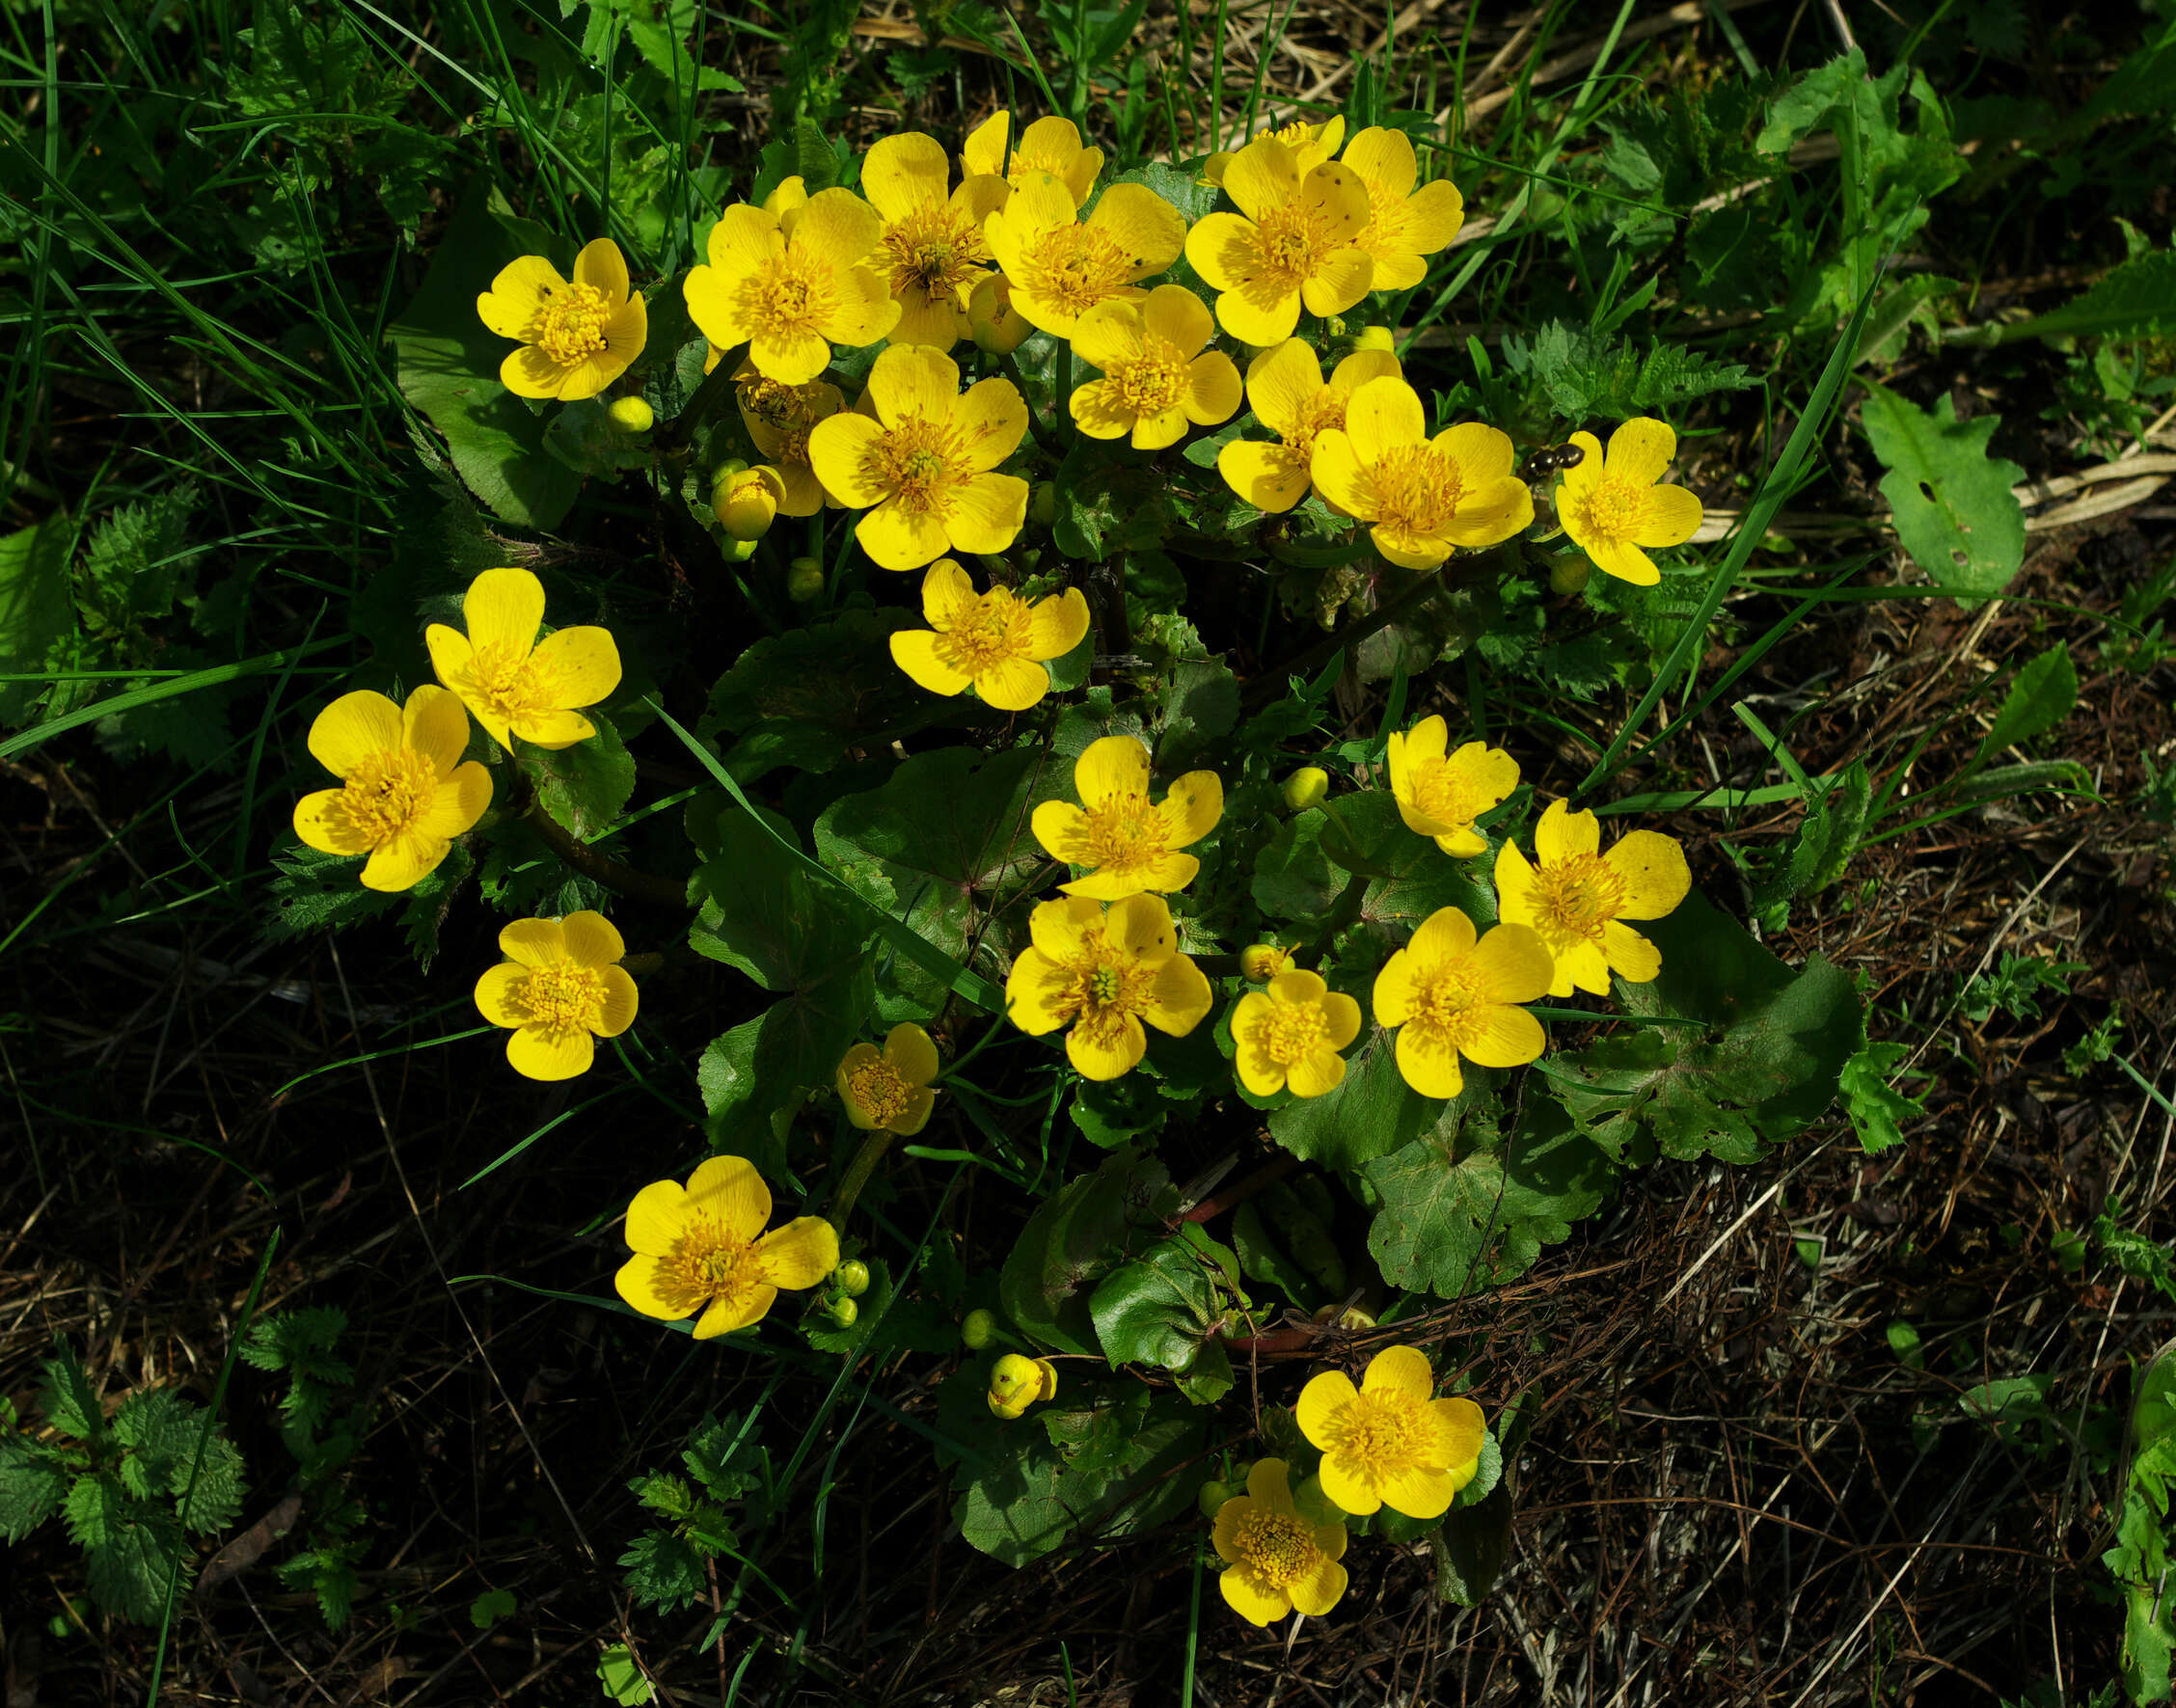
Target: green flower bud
{"points": [[1374, 338], [747, 501], [631, 414], [844, 1312], [1305, 788], [853, 1278], [1043, 503], [1213, 1495], [1569, 575], [978, 1328]]}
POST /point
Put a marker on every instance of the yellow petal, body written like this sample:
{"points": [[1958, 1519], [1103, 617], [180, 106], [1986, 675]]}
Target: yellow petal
{"points": [[1252, 1596], [1034, 993], [948, 594], [990, 419], [1652, 869], [1627, 562], [1340, 279], [1176, 314], [1321, 1591], [1180, 999], [1226, 251], [728, 1317], [517, 294], [1013, 685], [1445, 935], [1107, 1057], [841, 449], [1322, 1402], [1111, 769], [1258, 313], [644, 1283], [616, 1011], [1059, 927], [1581, 965], [1151, 232], [1348, 1486], [1281, 384], [1057, 625], [837, 229], [1670, 517], [1400, 1370], [537, 1054], [1383, 416], [1363, 365], [1339, 478], [731, 1193], [553, 727], [984, 513], [798, 1254], [1512, 964], [1641, 449], [528, 373], [321, 822], [592, 940], [1192, 808], [1099, 409], [1062, 829], [434, 724], [1270, 1483], [355, 726], [1262, 474], [1419, 1491], [912, 1053], [1212, 389], [984, 150], [582, 664], [1492, 514], [1263, 175], [1430, 1070], [1385, 159], [504, 608], [1630, 956], [1318, 1071], [1482, 454], [1563, 834], [602, 266], [913, 380], [1108, 334], [656, 1217], [1343, 1015], [499, 994], [1433, 215], [896, 538], [1514, 886], [1409, 548], [1392, 998], [904, 172], [915, 651], [533, 943]]}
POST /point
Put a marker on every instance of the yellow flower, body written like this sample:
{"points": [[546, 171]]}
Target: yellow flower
{"points": [[747, 501], [1290, 241], [931, 251], [1404, 223], [889, 1091], [1060, 266], [779, 419], [1310, 144], [1614, 507], [1423, 498], [1104, 972], [998, 328], [1277, 1561], [922, 465], [1306, 787], [562, 990], [995, 642], [1440, 795], [1157, 374], [1450, 995], [1018, 1381], [1259, 963], [512, 683], [1128, 844], [791, 291], [405, 792], [1390, 1442], [577, 338], [702, 1248], [1290, 1034], [1579, 899], [1285, 388], [1048, 145]]}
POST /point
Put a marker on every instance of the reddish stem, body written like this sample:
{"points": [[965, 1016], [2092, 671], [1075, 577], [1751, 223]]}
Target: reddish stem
{"points": [[1267, 1175]]}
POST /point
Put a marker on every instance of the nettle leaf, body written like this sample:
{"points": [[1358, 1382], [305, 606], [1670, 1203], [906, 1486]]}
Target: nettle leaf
{"points": [[69, 1400], [773, 920], [942, 835], [1467, 1206], [31, 1485], [1952, 503], [131, 1571], [1158, 1308], [585, 787], [1764, 1064], [449, 365], [1093, 1224], [1370, 1112], [1117, 1473], [1877, 1109], [802, 699]]}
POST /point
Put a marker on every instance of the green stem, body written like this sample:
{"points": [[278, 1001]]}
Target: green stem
{"points": [[621, 880], [857, 1172]]}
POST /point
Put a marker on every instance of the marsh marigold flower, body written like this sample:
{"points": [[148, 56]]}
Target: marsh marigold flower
{"points": [[405, 792], [779, 419], [932, 253], [790, 291], [1615, 505], [1423, 497], [1018, 1381], [998, 328], [1061, 266], [1129, 843], [1439, 794], [995, 642], [1290, 241], [702, 1247], [1390, 1442], [577, 335], [560, 989], [924, 466], [1404, 223], [1451, 994], [512, 683], [1579, 898], [747, 501], [1159, 377], [888, 1090], [1102, 973], [1310, 144], [1259, 963], [1277, 1561], [1289, 1036], [1048, 145], [1286, 390]]}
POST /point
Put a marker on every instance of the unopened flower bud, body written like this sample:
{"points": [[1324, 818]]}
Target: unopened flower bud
{"points": [[631, 414], [1019, 1381], [804, 579], [747, 502], [853, 1278], [1043, 503], [1376, 338], [999, 328], [977, 1327], [1213, 1495], [1569, 575], [1264, 961], [844, 1312], [1305, 788]]}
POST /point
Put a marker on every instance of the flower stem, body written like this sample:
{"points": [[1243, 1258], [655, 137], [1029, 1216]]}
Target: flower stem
{"points": [[622, 879], [857, 1172]]}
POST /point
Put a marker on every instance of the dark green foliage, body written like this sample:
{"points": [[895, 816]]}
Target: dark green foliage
{"points": [[666, 1567], [1579, 373]]}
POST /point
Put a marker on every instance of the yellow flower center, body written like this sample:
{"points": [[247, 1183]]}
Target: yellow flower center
{"points": [[932, 250], [510, 682], [1293, 240], [918, 461], [1155, 380], [570, 326], [1101, 989], [707, 1261], [1417, 489], [1444, 996], [993, 631], [1574, 898], [562, 997], [1613, 508], [386, 793], [880, 1091], [1125, 833], [1074, 267], [1291, 1031], [1277, 1545], [793, 296], [1381, 1434], [1448, 793], [793, 445]]}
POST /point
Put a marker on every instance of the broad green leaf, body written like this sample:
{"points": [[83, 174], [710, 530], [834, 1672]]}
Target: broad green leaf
{"points": [[585, 787], [1410, 876], [1952, 503], [1370, 1112], [35, 608], [621, 1678], [31, 1485], [449, 365], [1264, 1259], [1293, 876], [802, 699], [1473, 1547], [2040, 697], [1467, 1206], [129, 1572], [1156, 1309], [1075, 1238]]}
